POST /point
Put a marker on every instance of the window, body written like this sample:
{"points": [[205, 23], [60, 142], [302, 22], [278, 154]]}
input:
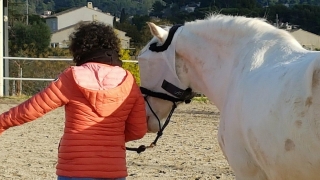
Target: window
{"points": [[54, 25]]}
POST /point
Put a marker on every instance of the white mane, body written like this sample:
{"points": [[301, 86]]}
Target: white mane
{"points": [[235, 27]]}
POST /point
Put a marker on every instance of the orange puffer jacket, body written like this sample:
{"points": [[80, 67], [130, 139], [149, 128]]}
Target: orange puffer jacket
{"points": [[104, 108]]}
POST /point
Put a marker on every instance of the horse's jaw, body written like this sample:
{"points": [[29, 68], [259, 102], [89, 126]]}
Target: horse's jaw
{"points": [[153, 126], [161, 108]]}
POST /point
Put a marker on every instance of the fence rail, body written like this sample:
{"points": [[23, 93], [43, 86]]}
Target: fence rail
{"points": [[2, 78], [27, 79], [53, 59]]}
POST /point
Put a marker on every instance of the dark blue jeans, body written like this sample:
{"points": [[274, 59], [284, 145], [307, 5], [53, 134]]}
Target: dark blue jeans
{"points": [[74, 178]]}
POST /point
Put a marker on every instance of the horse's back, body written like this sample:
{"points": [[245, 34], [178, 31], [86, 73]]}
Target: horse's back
{"points": [[273, 121]]}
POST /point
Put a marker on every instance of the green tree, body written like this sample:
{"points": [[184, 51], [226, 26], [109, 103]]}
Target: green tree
{"points": [[123, 16], [168, 2], [64, 4], [140, 21], [157, 7], [130, 66], [247, 3], [35, 19], [23, 37], [131, 31], [16, 12], [114, 21]]}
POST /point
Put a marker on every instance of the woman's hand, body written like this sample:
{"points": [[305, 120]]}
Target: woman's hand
{"points": [[2, 130]]}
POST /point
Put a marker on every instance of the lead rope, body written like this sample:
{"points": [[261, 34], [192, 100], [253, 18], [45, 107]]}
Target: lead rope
{"points": [[159, 134], [142, 148]]}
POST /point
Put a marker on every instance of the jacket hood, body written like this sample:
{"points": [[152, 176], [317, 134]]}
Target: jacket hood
{"points": [[104, 86]]}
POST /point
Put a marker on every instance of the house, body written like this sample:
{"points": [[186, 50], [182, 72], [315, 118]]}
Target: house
{"points": [[125, 40], [62, 24], [307, 39], [191, 7], [60, 38], [74, 15]]}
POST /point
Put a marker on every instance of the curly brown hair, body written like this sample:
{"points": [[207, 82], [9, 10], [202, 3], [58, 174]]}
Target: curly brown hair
{"points": [[92, 37]]}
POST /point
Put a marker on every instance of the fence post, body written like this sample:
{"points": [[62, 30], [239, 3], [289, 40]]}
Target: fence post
{"points": [[6, 48], [20, 92], [14, 88], [1, 48]]}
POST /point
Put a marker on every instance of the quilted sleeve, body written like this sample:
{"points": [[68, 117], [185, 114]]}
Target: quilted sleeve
{"points": [[50, 98], [136, 124]]}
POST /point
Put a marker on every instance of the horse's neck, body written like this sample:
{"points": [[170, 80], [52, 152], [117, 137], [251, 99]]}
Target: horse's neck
{"points": [[207, 65]]}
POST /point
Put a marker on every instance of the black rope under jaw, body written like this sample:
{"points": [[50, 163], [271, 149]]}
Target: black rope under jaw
{"points": [[160, 132], [142, 148], [188, 93]]}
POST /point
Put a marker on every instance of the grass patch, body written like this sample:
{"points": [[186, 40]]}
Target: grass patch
{"points": [[201, 99], [13, 99], [19, 99]]}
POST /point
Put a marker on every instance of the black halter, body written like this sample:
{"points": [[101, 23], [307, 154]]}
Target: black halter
{"points": [[178, 95], [165, 45], [188, 94]]}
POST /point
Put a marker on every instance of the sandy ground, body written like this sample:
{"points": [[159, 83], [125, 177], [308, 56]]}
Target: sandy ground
{"points": [[188, 149]]}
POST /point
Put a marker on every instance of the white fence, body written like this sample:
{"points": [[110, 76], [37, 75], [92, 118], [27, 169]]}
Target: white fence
{"points": [[2, 78]]}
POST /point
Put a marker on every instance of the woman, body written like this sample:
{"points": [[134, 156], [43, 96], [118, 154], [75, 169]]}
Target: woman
{"points": [[104, 108]]}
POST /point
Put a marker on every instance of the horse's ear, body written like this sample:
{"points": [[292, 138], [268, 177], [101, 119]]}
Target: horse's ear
{"points": [[157, 31]]}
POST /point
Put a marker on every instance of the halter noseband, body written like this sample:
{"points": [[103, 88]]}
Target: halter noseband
{"points": [[178, 95]]}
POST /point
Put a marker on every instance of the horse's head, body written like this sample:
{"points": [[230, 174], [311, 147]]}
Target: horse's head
{"points": [[160, 82]]}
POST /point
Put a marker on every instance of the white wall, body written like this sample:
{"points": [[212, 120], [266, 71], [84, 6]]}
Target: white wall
{"points": [[83, 14], [61, 36], [125, 40], [307, 39]]}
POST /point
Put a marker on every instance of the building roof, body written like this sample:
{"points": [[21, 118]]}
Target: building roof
{"points": [[73, 9], [294, 30], [64, 12]]}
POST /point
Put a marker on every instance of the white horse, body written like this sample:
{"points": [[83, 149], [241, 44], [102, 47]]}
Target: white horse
{"points": [[264, 83]]}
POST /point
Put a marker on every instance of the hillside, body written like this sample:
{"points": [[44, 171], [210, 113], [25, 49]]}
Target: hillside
{"points": [[112, 6], [142, 7], [289, 2], [305, 13]]}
